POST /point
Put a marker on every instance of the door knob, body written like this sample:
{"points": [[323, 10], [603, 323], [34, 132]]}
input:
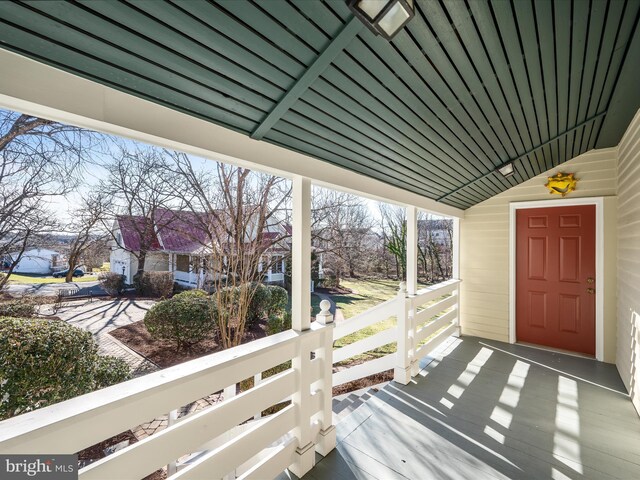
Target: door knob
{"points": [[591, 290], [590, 280]]}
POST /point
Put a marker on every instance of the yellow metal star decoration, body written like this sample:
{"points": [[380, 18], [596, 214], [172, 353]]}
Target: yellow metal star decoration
{"points": [[561, 183]]}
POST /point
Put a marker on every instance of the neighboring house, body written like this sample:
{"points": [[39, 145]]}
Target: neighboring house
{"points": [[38, 261], [125, 248], [179, 244], [440, 230]]}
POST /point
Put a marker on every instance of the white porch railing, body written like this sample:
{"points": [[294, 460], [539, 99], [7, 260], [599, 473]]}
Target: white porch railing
{"points": [[189, 278], [429, 318], [423, 321], [231, 439], [265, 448]]}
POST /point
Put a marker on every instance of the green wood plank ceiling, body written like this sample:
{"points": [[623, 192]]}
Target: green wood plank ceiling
{"points": [[464, 88]]}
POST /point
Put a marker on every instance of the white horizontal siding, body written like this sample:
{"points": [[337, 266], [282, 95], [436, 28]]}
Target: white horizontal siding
{"points": [[484, 246], [628, 346]]}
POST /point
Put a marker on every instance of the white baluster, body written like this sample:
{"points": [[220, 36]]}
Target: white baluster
{"points": [[172, 468], [257, 378]]}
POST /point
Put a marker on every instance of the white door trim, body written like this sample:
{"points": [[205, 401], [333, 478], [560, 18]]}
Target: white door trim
{"points": [[599, 203]]}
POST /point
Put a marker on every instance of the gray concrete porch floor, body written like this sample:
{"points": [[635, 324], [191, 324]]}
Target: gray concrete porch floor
{"points": [[483, 410]]}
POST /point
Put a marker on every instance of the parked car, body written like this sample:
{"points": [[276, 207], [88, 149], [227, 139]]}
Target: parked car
{"points": [[63, 273]]}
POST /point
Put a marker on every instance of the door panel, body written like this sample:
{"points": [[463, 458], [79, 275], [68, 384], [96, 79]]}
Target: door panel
{"points": [[555, 258], [569, 318], [537, 309], [569, 259], [537, 255]]}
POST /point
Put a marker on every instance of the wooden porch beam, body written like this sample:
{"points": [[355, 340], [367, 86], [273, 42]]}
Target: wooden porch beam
{"points": [[319, 65]]}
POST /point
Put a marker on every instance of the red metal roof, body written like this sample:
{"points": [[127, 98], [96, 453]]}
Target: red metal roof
{"points": [[136, 228], [182, 231], [179, 232]]}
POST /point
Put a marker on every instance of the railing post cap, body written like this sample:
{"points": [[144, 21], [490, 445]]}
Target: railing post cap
{"points": [[403, 287], [325, 317]]}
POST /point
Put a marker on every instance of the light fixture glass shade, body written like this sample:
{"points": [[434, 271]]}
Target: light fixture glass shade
{"points": [[383, 17], [506, 169], [394, 19], [371, 8]]}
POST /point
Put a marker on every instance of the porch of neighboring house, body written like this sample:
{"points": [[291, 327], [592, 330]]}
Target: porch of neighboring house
{"points": [[486, 409], [273, 267], [190, 270]]}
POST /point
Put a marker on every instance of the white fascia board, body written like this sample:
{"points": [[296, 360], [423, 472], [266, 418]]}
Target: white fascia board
{"points": [[31, 87]]}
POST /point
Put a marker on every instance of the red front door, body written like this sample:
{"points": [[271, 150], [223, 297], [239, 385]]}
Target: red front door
{"points": [[555, 277]]}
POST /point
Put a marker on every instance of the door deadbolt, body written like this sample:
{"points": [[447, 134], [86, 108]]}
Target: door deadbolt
{"points": [[590, 280]]}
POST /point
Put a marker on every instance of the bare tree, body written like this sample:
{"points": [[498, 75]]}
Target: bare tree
{"points": [[435, 248], [96, 254], [87, 233], [139, 186], [40, 159], [394, 231], [341, 226], [243, 214]]}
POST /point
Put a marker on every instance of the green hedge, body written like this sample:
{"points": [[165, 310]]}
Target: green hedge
{"points": [[259, 303], [267, 301], [278, 301], [17, 308], [112, 283], [46, 361], [184, 319], [156, 284], [279, 323]]}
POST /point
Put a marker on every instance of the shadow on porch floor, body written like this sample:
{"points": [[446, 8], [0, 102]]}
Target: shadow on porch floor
{"points": [[482, 410]]}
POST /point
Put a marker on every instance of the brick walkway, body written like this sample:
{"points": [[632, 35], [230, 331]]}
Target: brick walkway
{"points": [[160, 423]]}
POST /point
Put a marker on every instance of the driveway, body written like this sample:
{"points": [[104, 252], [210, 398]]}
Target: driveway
{"points": [[52, 289], [100, 317]]}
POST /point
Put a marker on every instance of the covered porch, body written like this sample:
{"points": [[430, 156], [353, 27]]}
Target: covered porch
{"points": [[486, 409], [464, 114]]}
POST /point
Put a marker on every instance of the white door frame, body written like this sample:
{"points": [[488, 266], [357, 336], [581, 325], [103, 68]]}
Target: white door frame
{"points": [[599, 203]]}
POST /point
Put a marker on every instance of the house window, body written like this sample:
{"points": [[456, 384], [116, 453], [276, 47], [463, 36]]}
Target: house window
{"points": [[277, 264], [182, 263]]}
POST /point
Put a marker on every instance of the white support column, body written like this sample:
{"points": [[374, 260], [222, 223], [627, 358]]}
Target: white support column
{"points": [[455, 249], [327, 438], [305, 454], [455, 272], [412, 282], [402, 370], [301, 255], [412, 249], [300, 321]]}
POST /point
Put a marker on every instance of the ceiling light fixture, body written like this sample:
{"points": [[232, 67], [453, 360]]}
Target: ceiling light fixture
{"points": [[507, 169], [383, 17]]}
